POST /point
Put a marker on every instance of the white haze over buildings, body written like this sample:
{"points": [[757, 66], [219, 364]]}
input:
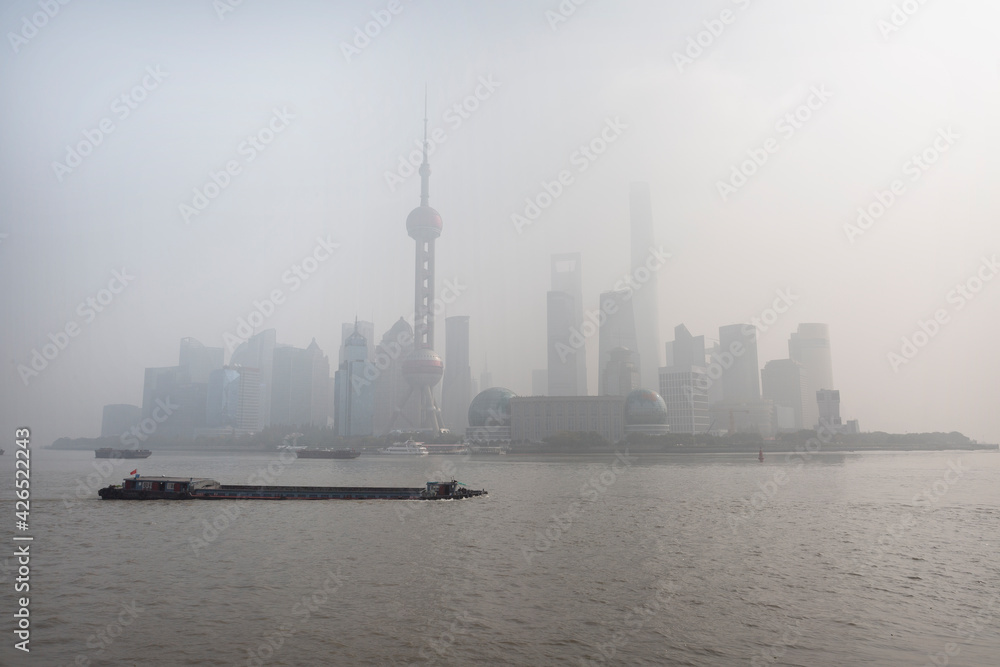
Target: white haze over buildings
{"points": [[552, 90]]}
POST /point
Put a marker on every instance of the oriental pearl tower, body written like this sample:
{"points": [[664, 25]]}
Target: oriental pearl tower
{"points": [[423, 368]]}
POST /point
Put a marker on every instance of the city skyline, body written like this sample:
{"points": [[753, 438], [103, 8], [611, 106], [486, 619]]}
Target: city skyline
{"points": [[314, 210]]}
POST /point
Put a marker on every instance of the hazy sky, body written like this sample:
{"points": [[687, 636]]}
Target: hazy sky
{"points": [[198, 81]]}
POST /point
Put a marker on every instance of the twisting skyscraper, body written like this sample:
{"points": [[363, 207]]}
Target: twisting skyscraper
{"points": [[422, 368]]}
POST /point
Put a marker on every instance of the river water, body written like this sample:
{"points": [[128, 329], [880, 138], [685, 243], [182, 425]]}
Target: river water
{"points": [[821, 559]]}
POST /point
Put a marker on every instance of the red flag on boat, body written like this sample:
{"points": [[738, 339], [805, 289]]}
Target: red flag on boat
{"points": [[134, 471]]}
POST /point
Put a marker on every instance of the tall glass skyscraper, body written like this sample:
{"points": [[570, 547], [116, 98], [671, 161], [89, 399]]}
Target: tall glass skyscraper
{"points": [[567, 349], [646, 297], [457, 386], [618, 331]]}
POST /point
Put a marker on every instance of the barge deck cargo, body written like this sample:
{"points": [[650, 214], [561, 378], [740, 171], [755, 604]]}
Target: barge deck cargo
{"points": [[177, 488]]}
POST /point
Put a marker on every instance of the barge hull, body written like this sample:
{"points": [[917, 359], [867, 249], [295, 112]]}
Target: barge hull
{"points": [[163, 488]]}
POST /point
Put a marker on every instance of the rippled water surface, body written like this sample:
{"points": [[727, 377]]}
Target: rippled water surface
{"points": [[677, 560]]}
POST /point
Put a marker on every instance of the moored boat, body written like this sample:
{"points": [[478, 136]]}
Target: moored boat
{"points": [[488, 450], [180, 488], [110, 453], [408, 448], [327, 453]]}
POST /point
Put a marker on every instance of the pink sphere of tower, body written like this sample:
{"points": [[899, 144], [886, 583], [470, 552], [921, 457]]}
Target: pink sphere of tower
{"points": [[423, 223], [423, 368]]}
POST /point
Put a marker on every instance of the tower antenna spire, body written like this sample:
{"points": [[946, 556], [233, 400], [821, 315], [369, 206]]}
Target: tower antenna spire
{"points": [[425, 167]]}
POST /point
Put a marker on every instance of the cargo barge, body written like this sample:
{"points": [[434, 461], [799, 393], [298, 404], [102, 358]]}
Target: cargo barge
{"points": [[177, 488], [327, 453]]}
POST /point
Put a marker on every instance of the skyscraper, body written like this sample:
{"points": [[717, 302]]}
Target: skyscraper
{"points": [[233, 399], [684, 384], [300, 395], [567, 349], [685, 349], [784, 382], [258, 352], [119, 418], [734, 395], [829, 406], [169, 390], [810, 346], [366, 329], [741, 381], [423, 368], [354, 392], [621, 375], [199, 360], [618, 331], [562, 353], [457, 389], [645, 298], [390, 387], [683, 389]]}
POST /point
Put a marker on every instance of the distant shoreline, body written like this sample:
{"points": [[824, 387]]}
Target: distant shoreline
{"points": [[670, 451]]}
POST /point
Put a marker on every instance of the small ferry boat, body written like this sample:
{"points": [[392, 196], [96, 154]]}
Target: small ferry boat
{"points": [[488, 450], [327, 453], [408, 448], [110, 453], [454, 449], [180, 488]]}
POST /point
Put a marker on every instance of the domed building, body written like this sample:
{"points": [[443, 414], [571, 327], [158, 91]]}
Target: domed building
{"points": [[489, 415], [646, 413]]}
